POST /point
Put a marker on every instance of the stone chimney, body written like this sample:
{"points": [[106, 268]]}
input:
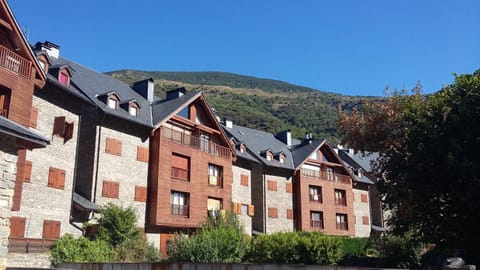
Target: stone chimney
{"points": [[228, 122], [176, 93], [145, 89], [285, 136], [53, 50]]}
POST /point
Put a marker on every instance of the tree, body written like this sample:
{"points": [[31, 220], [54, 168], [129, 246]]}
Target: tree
{"points": [[429, 167]]}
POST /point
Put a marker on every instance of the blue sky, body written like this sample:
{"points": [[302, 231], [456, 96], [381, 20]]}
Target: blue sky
{"points": [[350, 47]]}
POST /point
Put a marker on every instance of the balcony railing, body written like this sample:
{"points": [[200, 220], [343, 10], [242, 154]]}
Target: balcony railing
{"points": [[179, 210], [196, 142], [29, 245], [4, 113], [215, 180], [15, 63], [328, 176], [316, 198], [180, 174], [342, 226], [341, 201], [316, 224]]}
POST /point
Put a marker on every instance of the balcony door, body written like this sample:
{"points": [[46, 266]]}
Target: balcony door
{"points": [[4, 101]]}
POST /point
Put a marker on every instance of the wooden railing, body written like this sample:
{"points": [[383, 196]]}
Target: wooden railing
{"points": [[15, 63], [29, 245], [196, 142], [180, 174], [316, 224], [328, 176], [179, 210]]}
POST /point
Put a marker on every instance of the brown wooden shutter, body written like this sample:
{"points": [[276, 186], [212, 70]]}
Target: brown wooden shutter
{"points": [[52, 177], [17, 227], [68, 132], [27, 172], [51, 229], [109, 146], [110, 189], [140, 194], [244, 180], [272, 212], [142, 154], [60, 179], [56, 178], [272, 185], [33, 117], [289, 213], [289, 187], [118, 148], [251, 210], [59, 126], [364, 198]]}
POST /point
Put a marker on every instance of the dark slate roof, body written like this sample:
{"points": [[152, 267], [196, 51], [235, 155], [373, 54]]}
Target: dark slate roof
{"points": [[163, 108], [91, 84], [11, 128], [359, 161], [85, 203], [258, 142]]}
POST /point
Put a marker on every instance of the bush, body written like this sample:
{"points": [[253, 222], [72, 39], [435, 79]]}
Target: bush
{"points": [[137, 250], [69, 249], [400, 251], [117, 225], [355, 246], [296, 248]]}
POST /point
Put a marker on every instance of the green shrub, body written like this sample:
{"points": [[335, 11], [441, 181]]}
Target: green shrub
{"points": [[69, 249], [137, 250], [400, 251], [117, 225], [355, 246]]}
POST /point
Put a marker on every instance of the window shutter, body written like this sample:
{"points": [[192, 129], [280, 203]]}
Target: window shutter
{"points": [[59, 126], [51, 229], [244, 180], [61, 179], [251, 210], [289, 187], [140, 194], [115, 187], [142, 154], [68, 132], [110, 189], [17, 227], [27, 172], [33, 118], [52, 177]]}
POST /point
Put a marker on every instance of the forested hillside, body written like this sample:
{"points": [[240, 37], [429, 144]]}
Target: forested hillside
{"points": [[263, 104]]}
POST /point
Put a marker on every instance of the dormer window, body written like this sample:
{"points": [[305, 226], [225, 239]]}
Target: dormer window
{"points": [[112, 103], [242, 148], [269, 156], [281, 159], [133, 108], [64, 77], [280, 156]]}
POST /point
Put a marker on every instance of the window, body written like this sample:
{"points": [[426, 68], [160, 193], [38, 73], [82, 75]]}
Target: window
{"points": [[242, 148], [365, 220], [112, 103], [315, 194], [33, 117], [140, 194], [180, 167], [272, 185], [179, 203], [17, 227], [27, 171], [215, 174], [244, 209], [110, 189], [329, 173], [62, 128], [113, 146], [342, 222], [214, 204], [269, 156], [4, 101], [51, 229], [340, 197], [142, 154], [316, 220], [282, 159], [244, 180], [64, 78], [363, 198], [56, 178], [132, 111], [204, 142], [272, 212]]}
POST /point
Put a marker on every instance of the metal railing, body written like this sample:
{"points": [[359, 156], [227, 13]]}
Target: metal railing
{"points": [[180, 174], [341, 201], [29, 245], [328, 176], [196, 142], [15, 63], [179, 210], [342, 226]]}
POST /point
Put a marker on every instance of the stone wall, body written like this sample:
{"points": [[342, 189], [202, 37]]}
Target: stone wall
{"points": [[39, 201], [30, 260], [361, 210], [281, 200], [8, 169], [242, 194]]}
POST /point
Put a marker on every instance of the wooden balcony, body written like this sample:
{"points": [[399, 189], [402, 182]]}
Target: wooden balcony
{"points": [[29, 245], [15, 63], [195, 142], [327, 176]]}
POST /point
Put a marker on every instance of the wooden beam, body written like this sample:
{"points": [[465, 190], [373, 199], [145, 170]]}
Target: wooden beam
{"points": [[6, 24]]}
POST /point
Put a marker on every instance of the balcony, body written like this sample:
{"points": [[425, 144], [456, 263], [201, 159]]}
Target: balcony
{"points": [[195, 142], [180, 174], [29, 245], [15, 63], [179, 210], [328, 176], [316, 224]]}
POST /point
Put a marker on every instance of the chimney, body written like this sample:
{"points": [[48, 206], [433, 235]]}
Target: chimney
{"points": [[351, 151], [176, 93], [336, 150], [285, 137], [228, 122], [53, 50], [145, 89]]}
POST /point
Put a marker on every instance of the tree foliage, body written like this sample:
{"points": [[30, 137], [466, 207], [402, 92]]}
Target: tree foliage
{"points": [[429, 168]]}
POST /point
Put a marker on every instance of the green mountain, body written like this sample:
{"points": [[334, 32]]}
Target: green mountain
{"points": [[264, 104]]}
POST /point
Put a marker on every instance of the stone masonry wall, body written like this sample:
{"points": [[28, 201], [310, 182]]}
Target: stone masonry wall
{"points": [[39, 201], [8, 169], [281, 200], [126, 170], [361, 211], [242, 194]]}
